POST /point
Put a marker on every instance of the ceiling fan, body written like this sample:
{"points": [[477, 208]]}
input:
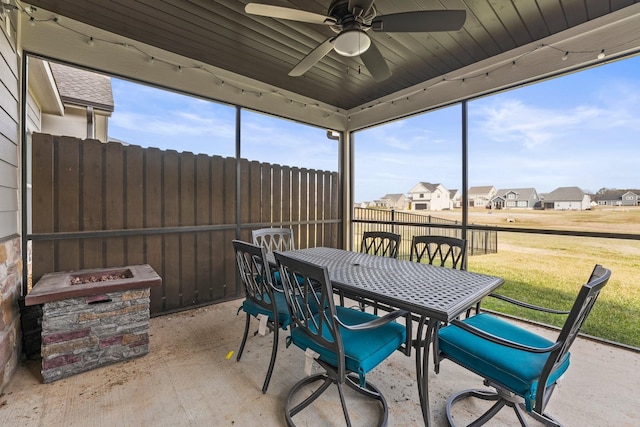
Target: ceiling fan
{"points": [[351, 19]]}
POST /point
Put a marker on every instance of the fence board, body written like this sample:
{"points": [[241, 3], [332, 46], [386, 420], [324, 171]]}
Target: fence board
{"points": [[222, 251], [113, 176], [319, 234], [91, 201], [337, 238], [283, 194], [254, 196], [218, 217], [203, 240], [304, 207], [43, 204], [295, 203], [187, 249], [171, 218], [312, 196], [67, 209], [326, 206], [275, 192], [268, 191], [134, 203], [153, 245], [245, 185]]}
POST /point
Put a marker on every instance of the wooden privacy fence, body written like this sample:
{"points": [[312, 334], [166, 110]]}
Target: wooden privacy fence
{"points": [[409, 224], [100, 205]]}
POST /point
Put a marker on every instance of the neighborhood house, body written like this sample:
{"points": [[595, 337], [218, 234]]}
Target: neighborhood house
{"points": [[430, 197]]}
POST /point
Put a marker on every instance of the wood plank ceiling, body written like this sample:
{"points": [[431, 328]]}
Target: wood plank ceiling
{"points": [[220, 33]]}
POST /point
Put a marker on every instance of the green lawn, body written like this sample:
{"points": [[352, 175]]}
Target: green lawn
{"points": [[548, 270]]}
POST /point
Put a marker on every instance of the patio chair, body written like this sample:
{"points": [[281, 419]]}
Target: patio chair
{"points": [[262, 299], [380, 243], [440, 250], [274, 239], [347, 343], [520, 365]]}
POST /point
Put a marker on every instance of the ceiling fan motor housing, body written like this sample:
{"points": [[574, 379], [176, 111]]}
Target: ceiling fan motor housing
{"points": [[346, 20]]}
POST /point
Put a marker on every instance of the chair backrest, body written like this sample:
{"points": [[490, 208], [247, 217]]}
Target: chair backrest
{"points": [[254, 272], [307, 287], [380, 243], [274, 239], [440, 250], [581, 308]]}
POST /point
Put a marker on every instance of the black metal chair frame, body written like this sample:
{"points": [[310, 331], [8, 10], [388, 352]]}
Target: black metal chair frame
{"points": [[439, 250], [502, 395], [381, 243], [252, 264], [316, 290]]}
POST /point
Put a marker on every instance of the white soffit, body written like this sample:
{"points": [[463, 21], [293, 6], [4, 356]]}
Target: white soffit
{"points": [[43, 88]]}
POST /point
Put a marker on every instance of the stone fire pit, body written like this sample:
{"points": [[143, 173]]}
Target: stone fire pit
{"points": [[92, 318]]}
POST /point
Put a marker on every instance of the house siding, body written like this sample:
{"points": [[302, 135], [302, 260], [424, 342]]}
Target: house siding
{"points": [[34, 115], [9, 131], [72, 123], [10, 251]]}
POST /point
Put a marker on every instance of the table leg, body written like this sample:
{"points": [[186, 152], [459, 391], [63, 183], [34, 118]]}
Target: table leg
{"points": [[422, 364]]}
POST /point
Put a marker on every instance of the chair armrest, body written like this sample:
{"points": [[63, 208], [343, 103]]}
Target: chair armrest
{"points": [[373, 323], [501, 341], [527, 305]]}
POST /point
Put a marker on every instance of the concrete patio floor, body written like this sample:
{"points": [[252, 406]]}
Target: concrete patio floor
{"points": [[187, 380]]}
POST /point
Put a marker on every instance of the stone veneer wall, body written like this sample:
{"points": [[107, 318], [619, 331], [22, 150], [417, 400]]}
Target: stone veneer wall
{"points": [[10, 285], [79, 334]]}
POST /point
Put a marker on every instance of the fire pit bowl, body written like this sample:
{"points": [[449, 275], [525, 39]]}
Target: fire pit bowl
{"points": [[92, 318]]}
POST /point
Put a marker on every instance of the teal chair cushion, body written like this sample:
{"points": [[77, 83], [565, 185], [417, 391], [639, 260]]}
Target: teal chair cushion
{"points": [[277, 281], [284, 319], [249, 306], [363, 349], [517, 370]]}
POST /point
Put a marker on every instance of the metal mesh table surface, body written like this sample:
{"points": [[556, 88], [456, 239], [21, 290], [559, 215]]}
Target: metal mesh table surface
{"points": [[436, 292]]}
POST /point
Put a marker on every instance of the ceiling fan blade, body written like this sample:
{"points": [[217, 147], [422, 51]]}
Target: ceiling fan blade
{"points": [[361, 6], [420, 21], [287, 13], [375, 63], [312, 58]]}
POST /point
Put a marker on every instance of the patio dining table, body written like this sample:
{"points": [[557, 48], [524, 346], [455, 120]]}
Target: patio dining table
{"points": [[432, 294]]}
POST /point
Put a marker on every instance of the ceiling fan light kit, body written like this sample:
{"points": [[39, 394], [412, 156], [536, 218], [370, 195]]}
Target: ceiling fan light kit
{"points": [[351, 43], [351, 19]]}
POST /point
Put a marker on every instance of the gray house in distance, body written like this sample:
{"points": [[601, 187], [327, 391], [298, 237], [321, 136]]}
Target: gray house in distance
{"points": [[567, 198], [619, 198], [512, 198]]}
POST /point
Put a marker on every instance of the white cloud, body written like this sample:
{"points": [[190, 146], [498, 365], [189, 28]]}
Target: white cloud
{"points": [[174, 123], [510, 120]]}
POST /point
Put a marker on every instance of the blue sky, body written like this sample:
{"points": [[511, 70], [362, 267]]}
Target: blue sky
{"points": [[577, 130]]}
